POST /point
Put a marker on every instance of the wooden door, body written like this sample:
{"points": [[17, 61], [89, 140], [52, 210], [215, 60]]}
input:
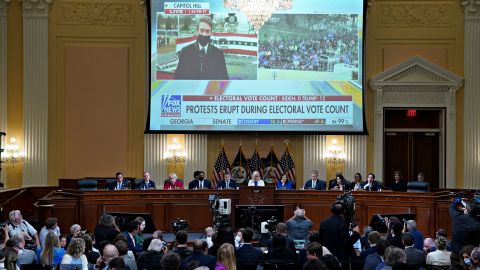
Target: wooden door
{"points": [[412, 145]]}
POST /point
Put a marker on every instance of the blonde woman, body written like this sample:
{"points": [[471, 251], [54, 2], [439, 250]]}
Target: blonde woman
{"points": [[51, 254], [75, 254], [226, 258], [256, 180]]}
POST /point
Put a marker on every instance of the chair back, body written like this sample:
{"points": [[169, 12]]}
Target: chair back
{"points": [[417, 186], [87, 184]]}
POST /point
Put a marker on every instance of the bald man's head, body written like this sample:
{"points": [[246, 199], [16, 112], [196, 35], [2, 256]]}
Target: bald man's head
{"points": [[200, 245], [109, 252]]}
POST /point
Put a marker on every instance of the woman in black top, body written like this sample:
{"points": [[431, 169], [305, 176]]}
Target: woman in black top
{"points": [[398, 183], [106, 229]]}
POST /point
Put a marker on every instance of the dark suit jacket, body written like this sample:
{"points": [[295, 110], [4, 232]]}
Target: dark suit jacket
{"points": [[143, 185], [134, 248], [335, 236], [333, 183], [375, 187], [248, 255], [288, 240], [352, 185], [319, 185], [364, 254], [415, 258], [113, 185], [204, 260], [192, 66], [194, 184], [231, 184], [400, 186], [372, 261]]}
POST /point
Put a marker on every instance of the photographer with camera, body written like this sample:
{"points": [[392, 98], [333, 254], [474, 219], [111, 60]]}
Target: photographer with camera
{"points": [[465, 228], [18, 226], [299, 225], [335, 235]]}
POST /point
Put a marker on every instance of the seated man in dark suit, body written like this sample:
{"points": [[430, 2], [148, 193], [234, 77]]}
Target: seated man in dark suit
{"points": [[201, 182], [248, 256], [371, 184], [373, 260], [373, 238], [119, 184], [282, 229], [314, 182], [227, 183], [131, 229], [200, 255], [415, 257], [147, 183], [181, 249]]}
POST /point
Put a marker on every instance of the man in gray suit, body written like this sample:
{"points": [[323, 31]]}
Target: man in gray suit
{"points": [[415, 257]]}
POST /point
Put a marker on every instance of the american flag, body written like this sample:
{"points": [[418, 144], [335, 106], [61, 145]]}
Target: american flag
{"points": [[271, 162], [256, 163], [286, 165], [221, 167]]}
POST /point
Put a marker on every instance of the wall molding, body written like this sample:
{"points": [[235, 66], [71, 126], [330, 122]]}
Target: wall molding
{"points": [[414, 15], [96, 13]]}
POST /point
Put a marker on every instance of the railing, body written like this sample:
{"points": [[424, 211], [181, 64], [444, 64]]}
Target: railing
{"points": [[20, 192]]}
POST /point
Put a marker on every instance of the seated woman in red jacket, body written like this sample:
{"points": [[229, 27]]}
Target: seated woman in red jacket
{"points": [[173, 182]]}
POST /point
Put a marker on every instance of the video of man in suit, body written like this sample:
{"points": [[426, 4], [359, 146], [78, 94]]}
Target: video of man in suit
{"points": [[220, 46]]}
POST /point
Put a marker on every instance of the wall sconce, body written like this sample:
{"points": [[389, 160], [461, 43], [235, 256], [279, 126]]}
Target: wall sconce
{"points": [[12, 153], [334, 155], [174, 152]]}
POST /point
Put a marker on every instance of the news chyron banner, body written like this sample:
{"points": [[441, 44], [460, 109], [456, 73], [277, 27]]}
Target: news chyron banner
{"points": [[215, 68]]}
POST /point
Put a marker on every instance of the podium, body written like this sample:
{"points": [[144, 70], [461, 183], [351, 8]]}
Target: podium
{"points": [[257, 195]]}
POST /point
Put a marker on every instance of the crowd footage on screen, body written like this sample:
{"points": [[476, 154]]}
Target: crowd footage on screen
{"points": [[315, 41]]}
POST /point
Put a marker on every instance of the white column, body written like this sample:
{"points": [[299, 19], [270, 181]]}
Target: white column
{"points": [[155, 146], [313, 148], [472, 94], [3, 72], [356, 156], [196, 159], [378, 135], [35, 91]]}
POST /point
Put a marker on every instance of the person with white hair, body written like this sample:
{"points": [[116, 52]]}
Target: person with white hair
{"points": [[299, 225], [17, 225], [172, 182], [440, 257], [417, 235], [256, 181], [151, 258]]}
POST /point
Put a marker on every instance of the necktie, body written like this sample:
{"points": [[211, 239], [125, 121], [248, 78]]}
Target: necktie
{"points": [[313, 184], [256, 183], [119, 186], [227, 184], [201, 184]]}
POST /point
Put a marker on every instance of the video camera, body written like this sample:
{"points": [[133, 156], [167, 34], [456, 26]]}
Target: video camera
{"points": [[221, 211], [348, 202], [179, 224]]}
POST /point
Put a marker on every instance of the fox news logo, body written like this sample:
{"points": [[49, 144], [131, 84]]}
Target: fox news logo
{"points": [[171, 105]]}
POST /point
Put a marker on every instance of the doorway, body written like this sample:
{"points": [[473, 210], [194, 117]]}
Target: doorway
{"points": [[414, 142]]}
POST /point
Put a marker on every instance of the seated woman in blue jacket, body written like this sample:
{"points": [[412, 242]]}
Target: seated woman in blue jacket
{"points": [[284, 183]]}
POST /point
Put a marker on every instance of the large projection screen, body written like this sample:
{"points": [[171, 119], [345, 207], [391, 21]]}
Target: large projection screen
{"points": [[231, 66]]}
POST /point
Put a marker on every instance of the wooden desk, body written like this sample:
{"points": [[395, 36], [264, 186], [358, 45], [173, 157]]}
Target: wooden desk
{"points": [[86, 207]]}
